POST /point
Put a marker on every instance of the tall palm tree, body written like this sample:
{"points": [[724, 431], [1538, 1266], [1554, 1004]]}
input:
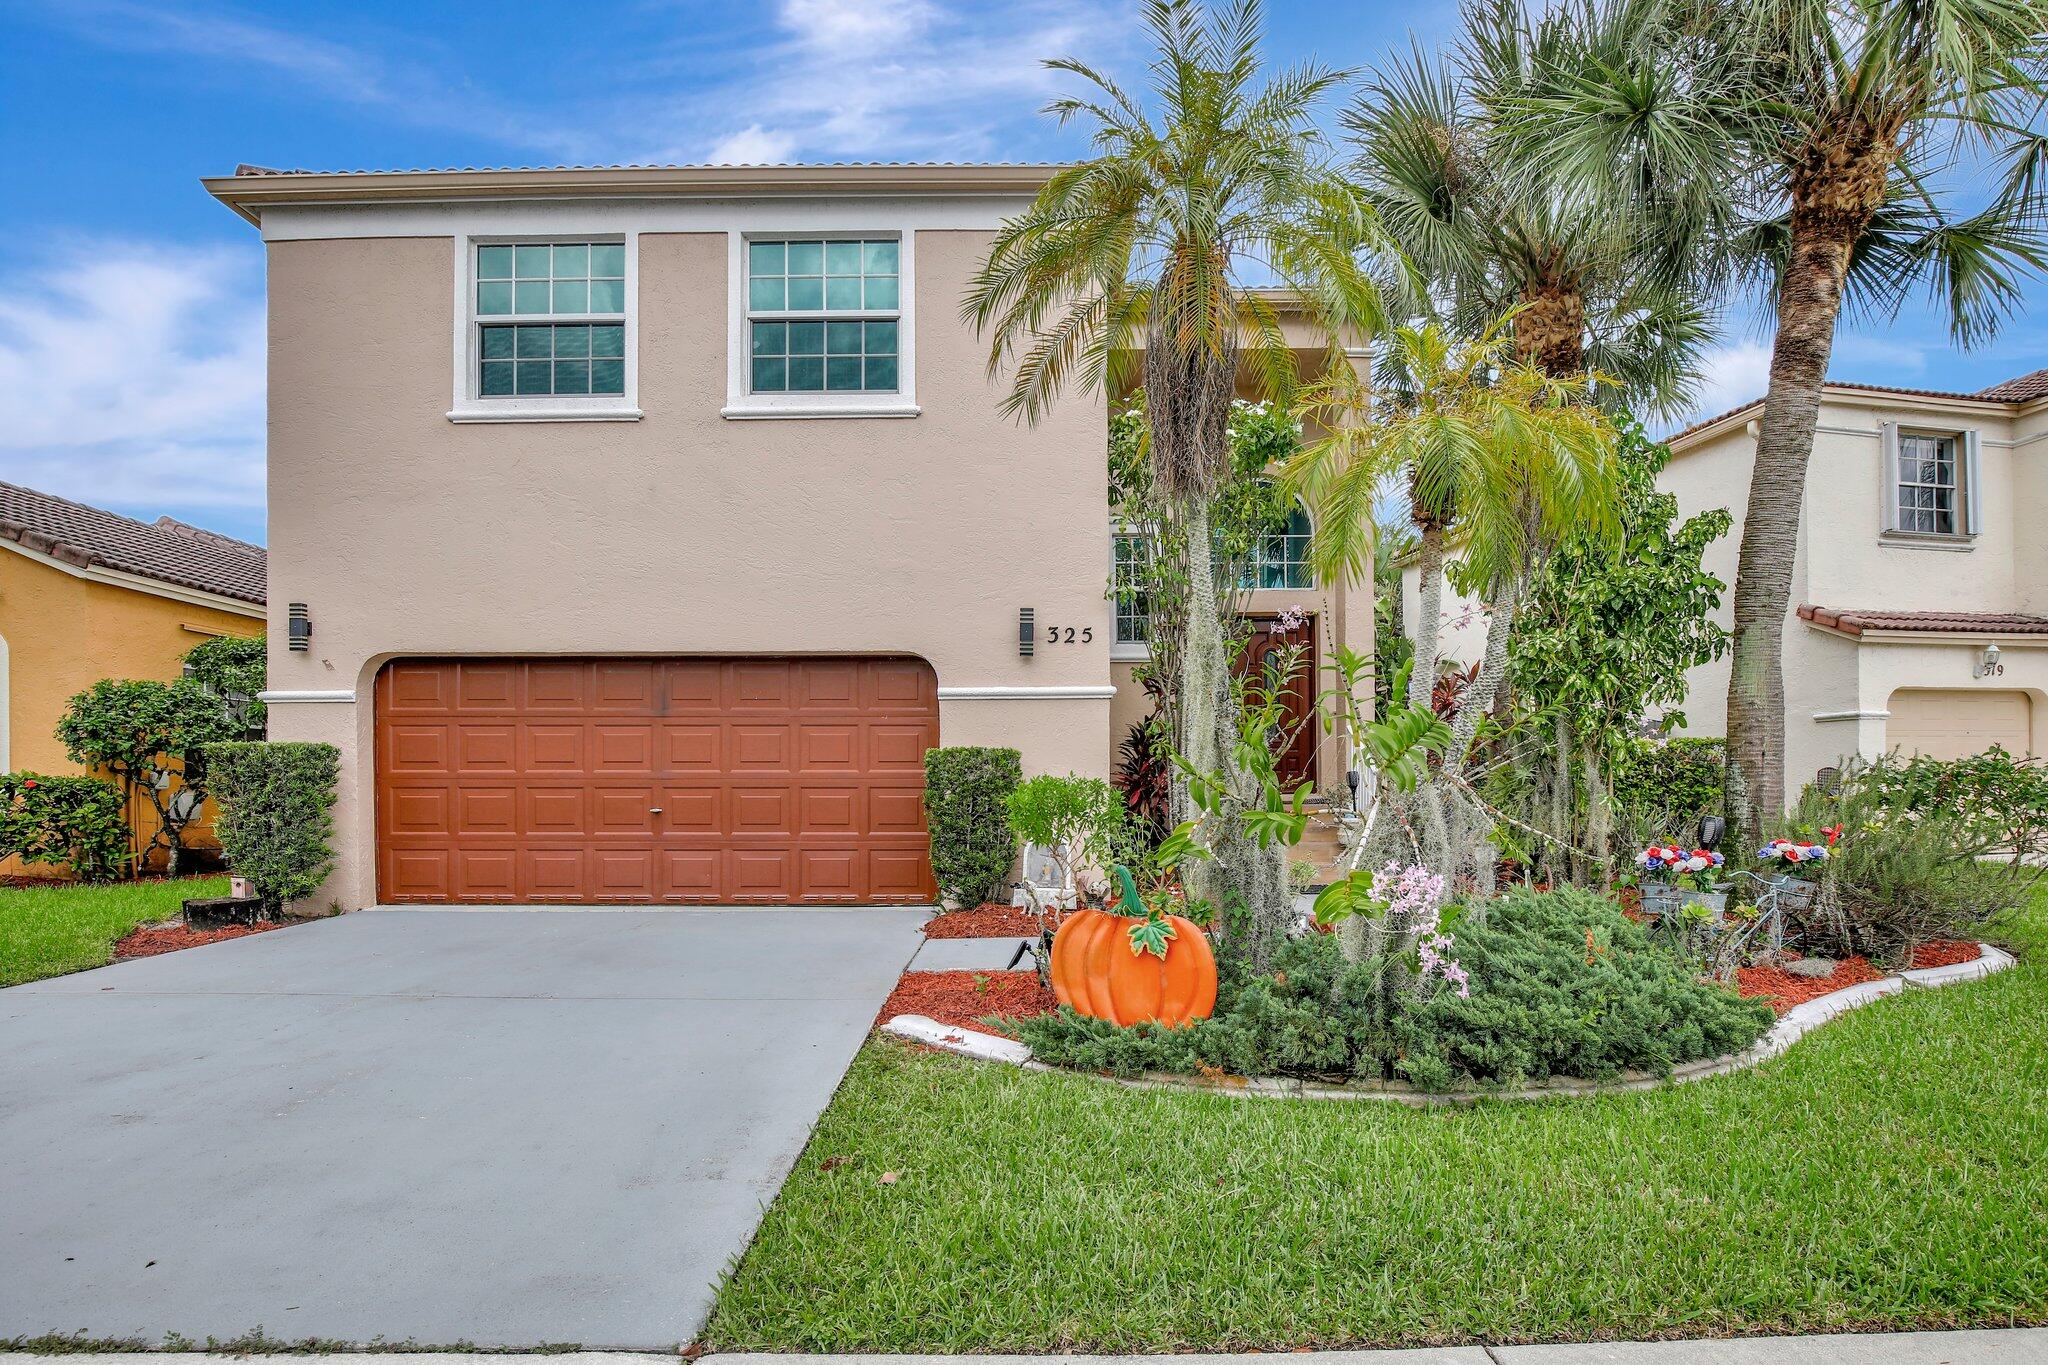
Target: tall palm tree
{"points": [[1490, 230], [1814, 138], [1134, 264], [1497, 459]]}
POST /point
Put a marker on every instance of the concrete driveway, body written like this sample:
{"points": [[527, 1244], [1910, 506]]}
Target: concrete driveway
{"points": [[505, 1128]]}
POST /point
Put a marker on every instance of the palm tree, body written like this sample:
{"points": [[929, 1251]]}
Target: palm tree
{"points": [[1490, 231], [1497, 458], [1132, 265], [1812, 138]]}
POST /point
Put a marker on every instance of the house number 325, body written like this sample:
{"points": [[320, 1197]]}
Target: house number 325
{"points": [[1065, 635]]}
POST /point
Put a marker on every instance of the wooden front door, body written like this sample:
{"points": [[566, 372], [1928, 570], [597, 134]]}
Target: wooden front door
{"points": [[1297, 764]]}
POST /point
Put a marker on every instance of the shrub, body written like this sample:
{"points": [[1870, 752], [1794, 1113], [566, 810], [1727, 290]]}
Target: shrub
{"points": [[1144, 774], [146, 732], [1905, 869], [1562, 984], [1663, 790], [1080, 821], [277, 804], [966, 791], [233, 666], [2001, 802], [80, 821]]}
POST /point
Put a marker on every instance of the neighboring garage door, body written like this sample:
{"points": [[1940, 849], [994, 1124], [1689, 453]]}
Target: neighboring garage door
{"points": [[708, 781], [1956, 724]]}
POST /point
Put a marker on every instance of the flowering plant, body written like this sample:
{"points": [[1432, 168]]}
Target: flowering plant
{"points": [[1679, 866], [1789, 852], [1413, 901]]}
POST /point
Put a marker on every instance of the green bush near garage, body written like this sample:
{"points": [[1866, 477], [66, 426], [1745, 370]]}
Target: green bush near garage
{"points": [[277, 814], [967, 810]]}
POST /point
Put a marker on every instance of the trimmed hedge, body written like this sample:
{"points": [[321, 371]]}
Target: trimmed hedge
{"points": [[277, 811], [966, 800], [1663, 789], [74, 820]]}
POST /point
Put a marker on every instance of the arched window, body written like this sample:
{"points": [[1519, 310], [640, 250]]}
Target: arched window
{"points": [[1281, 560]]}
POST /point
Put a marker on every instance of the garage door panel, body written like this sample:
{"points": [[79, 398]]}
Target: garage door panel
{"points": [[760, 749], [486, 874], [1948, 723], [635, 780], [486, 687]]}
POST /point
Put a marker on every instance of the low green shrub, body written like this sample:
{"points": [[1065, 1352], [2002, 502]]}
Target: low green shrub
{"points": [[1999, 802], [77, 821], [277, 804], [1561, 984], [1079, 821], [966, 796]]}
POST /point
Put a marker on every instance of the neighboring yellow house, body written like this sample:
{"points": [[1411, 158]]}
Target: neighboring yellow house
{"points": [[86, 594]]}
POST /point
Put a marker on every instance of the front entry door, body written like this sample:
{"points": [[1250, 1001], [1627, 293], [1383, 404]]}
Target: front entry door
{"points": [[1297, 763]]}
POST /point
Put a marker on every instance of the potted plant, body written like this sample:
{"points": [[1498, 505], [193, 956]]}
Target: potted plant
{"points": [[1673, 878], [1783, 857]]}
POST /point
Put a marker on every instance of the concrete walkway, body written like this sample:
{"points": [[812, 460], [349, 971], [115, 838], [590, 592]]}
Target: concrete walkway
{"points": [[2020, 1346], [505, 1129]]}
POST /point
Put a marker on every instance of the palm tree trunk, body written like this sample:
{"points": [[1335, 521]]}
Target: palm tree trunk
{"points": [[1429, 564], [1809, 300]]}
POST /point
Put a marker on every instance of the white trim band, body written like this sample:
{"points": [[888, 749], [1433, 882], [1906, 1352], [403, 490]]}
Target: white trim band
{"points": [[1852, 715], [276, 698], [1026, 693]]}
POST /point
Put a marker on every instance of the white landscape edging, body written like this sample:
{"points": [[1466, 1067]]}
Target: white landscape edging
{"points": [[1795, 1024]]}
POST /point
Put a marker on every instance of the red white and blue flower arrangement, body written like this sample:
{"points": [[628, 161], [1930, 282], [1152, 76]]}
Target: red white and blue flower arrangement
{"points": [[1789, 851], [1668, 862]]}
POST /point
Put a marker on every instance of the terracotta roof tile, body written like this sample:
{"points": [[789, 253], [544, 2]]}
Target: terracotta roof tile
{"points": [[1855, 622], [2019, 389], [167, 550]]}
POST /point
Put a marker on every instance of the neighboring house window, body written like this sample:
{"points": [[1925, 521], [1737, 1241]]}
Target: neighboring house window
{"points": [[823, 316], [550, 319], [1928, 486], [1129, 568], [1931, 482], [1280, 560]]}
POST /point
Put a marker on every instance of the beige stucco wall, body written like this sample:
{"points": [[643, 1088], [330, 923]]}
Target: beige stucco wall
{"points": [[1837, 689], [680, 533]]}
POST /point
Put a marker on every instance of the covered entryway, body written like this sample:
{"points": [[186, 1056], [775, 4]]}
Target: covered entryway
{"points": [[708, 781], [1954, 723]]}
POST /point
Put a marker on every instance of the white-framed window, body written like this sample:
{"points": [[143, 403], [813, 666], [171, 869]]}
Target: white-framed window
{"points": [[1280, 560], [545, 329], [1130, 565], [821, 326], [1931, 483]]}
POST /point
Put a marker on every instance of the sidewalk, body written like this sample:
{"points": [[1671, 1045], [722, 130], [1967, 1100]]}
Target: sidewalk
{"points": [[2016, 1346]]}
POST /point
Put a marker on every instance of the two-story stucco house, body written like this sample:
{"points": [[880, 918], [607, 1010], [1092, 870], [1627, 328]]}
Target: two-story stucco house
{"points": [[635, 531], [1918, 620]]}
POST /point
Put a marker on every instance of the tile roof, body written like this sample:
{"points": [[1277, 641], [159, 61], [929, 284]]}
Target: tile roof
{"points": [[168, 550], [245, 169], [2019, 389], [1854, 622]]}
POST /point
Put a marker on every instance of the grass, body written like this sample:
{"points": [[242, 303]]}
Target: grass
{"points": [[51, 930], [1887, 1173]]}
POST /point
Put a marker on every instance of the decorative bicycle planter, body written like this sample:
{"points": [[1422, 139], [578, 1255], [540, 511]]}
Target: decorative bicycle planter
{"points": [[1663, 898]]}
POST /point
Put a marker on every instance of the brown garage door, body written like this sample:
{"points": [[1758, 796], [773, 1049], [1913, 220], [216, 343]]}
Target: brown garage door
{"points": [[654, 780]]}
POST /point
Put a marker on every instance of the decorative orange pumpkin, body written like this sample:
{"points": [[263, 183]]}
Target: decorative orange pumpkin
{"points": [[1098, 971]]}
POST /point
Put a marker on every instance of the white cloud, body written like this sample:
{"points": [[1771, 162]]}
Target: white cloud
{"points": [[1735, 374], [909, 80], [133, 376], [752, 145]]}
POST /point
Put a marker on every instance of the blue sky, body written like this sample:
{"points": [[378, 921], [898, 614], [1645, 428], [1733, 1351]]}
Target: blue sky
{"points": [[131, 324]]}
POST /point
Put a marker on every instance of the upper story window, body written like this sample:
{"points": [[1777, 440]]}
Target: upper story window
{"points": [[1931, 483], [822, 316], [547, 333], [1130, 563], [1280, 560]]}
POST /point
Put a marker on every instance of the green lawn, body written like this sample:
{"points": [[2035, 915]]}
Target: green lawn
{"points": [[1890, 1171], [48, 931]]}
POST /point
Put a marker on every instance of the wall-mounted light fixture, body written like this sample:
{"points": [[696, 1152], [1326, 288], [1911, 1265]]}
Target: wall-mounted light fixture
{"points": [[1027, 631], [1989, 666], [298, 628]]}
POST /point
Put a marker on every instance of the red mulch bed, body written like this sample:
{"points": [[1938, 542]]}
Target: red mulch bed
{"points": [[1781, 990], [1945, 952], [152, 939], [962, 998], [983, 921]]}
